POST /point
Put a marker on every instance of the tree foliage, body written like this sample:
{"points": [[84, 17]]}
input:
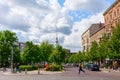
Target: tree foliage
{"points": [[46, 50], [36, 53], [58, 55], [103, 48], [7, 43], [76, 58], [32, 53], [114, 43], [93, 54]]}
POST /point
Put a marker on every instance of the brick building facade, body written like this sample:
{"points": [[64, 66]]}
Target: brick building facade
{"points": [[112, 17]]}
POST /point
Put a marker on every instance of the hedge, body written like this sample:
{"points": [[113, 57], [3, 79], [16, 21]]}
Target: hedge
{"points": [[55, 68], [28, 67]]}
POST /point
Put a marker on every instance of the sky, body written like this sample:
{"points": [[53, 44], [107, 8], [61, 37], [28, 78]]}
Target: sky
{"points": [[39, 20]]}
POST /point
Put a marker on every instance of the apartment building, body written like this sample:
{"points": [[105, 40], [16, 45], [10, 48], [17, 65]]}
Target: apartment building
{"points": [[97, 31], [85, 40], [94, 33], [112, 17], [21, 46]]}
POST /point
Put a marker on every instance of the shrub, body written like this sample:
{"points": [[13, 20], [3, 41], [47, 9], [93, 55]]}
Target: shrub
{"points": [[34, 67], [28, 67], [54, 68]]}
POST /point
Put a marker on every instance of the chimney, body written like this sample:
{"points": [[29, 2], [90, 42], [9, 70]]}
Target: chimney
{"points": [[100, 24]]}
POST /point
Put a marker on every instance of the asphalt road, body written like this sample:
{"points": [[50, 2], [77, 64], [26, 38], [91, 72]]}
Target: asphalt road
{"points": [[68, 74]]}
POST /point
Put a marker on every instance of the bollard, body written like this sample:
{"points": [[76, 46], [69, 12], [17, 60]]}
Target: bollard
{"points": [[38, 71], [109, 69], [25, 71], [118, 68]]}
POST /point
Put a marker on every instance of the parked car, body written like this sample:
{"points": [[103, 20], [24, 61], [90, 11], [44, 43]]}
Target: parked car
{"points": [[88, 65], [94, 67]]}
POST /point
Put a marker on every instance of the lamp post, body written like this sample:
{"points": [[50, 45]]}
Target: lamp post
{"points": [[11, 59], [53, 63], [12, 56], [108, 59]]}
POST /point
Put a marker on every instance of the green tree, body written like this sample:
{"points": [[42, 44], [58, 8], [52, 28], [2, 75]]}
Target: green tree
{"points": [[7, 40], [80, 57], [46, 50], [31, 54], [114, 44], [103, 48], [72, 58], [93, 54], [54, 56], [16, 52], [86, 56], [58, 55]]}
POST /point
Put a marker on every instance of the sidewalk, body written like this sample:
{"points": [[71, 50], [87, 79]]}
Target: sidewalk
{"points": [[109, 71], [35, 72]]}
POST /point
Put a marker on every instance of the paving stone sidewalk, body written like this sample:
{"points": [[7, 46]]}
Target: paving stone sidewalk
{"points": [[109, 71], [35, 72]]}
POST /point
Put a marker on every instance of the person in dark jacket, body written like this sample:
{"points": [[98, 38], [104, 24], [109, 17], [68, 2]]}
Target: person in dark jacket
{"points": [[80, 69], [4, 67], [17, 67], [14, 67]]}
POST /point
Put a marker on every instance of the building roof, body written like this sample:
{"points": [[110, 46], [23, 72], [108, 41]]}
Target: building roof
{"points": [[85, 32], [117, 1], [95, 28]]}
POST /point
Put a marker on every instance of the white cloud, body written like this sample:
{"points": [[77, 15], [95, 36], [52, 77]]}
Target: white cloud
{"points": [[3, 27], [74, 40], [86, 5], [36, 20]]}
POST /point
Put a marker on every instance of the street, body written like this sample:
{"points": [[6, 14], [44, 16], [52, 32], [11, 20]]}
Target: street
{"points": [[68, 74]]}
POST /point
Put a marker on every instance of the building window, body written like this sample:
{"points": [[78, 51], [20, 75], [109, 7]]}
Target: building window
{"points": [[116, 22], [107, 19], [100, 39], [87, 47], [117, 12], [111, 16], [83, 47], [109, 35], [87, 40], [119, 21]]}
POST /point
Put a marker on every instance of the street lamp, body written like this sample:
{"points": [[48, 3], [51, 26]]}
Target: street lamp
{"points": [[108, 59], [53, 63], [109, 64], [11, 58]]}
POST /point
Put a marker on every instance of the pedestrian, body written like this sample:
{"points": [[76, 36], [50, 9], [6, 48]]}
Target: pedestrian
{"points": [[4, 67], [47, 66], [17, 67], [80, 69], [14, 67]]}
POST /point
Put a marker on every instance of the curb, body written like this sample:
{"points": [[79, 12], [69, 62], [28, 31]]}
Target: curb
{"points": [[32, 73], [107, 71]]}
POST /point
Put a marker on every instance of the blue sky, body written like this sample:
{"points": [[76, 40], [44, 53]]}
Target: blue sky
{"points": [[36, 20]]}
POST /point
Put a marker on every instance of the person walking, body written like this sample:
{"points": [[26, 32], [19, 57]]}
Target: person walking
{"points": [[80, 69], [17, 67], [14, 67], [4, 67], [47, 66]]}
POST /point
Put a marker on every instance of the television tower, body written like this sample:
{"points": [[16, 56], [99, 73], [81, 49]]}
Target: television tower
{"points": [[56, 36]]}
